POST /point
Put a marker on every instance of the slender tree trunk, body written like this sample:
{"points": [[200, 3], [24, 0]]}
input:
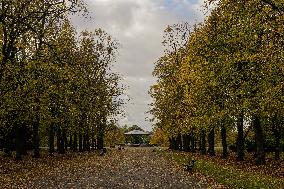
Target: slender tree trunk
{"points": [[93, 141], [51, 139], [175, 143], [85, 142], [259, 141], [186, 143], [80, 142], [75, 142], [171, 143], [58, 138], [24, 135], [203, 142], [8, 144], [65, 141], [70, 142], [211, 142], [240, 139], [62, 142], [224, 142], [19, 142], [192, 142], [100, 141], [276, 132], [179, 143], [88, 146], [36, 139]]}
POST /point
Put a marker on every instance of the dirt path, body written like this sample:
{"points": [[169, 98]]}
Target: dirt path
{"points": [[129, 168]]}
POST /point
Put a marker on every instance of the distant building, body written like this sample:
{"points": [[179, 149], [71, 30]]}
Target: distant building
{"points": [[137, 137]]}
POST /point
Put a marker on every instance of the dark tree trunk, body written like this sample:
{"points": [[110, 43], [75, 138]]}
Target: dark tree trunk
{"points": [[186, 143], [85, 142], [100, 141], [24, 133], [179, 142], [240, 139], [36, 139], [75, 142], [276, 132], [171, 143], [203, 142], [65, 141], [80, 143], [224, 142], [58, 138], [93, 141], [8, 144], [211, 142], [70, 142], [175, 143], [62, 142], [88, 146], [192, 143], [51, 139], [19, 142], [259, 141]]}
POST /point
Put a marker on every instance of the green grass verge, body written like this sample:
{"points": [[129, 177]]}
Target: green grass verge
{"points": [[228, 176]]}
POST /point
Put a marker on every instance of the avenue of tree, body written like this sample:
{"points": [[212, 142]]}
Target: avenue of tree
{"points": [[224, 75], [55, 85]]}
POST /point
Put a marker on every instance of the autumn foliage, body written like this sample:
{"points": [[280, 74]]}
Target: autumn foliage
{"points": [[224, 76], [57, 86]]}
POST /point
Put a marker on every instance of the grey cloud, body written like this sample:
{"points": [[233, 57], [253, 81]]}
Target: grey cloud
{"points": [[138, 25]]}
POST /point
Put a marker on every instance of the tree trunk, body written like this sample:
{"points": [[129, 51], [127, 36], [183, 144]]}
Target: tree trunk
{"points": [[100, 141], [70, 142], [88, 146], [175, 143], [93, 141], [186, 143], [80, 142], [276, 132], [203, 142], [179, 143], [240, 138], [224, 142], [51, 139], [211, 142], [171, 143], [75, 142], [8, 144], [36, 139], [62, 142], [19, 142], [192, 143], [24, 135], [59, 140], [65, 141], [259, 141]]}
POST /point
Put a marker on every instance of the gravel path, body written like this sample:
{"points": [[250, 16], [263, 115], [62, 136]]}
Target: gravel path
{"points": [[128, 168]]}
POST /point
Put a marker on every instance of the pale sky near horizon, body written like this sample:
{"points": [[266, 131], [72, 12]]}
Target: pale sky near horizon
{"points": [[138, 25]]}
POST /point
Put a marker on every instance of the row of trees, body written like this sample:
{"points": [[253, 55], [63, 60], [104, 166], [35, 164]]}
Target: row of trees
{"points": [[54, 82], [225, 75]]}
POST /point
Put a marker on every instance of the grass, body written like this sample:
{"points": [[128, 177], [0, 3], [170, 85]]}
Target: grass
{"points": [[228, 175]]}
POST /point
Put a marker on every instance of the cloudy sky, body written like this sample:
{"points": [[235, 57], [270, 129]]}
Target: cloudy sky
{"points": [[138, 25]]}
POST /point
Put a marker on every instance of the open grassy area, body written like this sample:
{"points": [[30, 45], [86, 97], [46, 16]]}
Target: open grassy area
{"points": [[227, 174]]}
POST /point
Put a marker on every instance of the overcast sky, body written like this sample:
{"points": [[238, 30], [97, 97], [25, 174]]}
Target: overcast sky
{"points": [[138, 25]]}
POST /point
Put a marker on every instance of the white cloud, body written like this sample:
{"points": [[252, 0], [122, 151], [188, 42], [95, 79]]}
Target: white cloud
{"points": [[138, 25]]}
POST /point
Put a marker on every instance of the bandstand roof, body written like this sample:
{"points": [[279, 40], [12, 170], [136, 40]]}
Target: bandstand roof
{"points": [[136, 132]]}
